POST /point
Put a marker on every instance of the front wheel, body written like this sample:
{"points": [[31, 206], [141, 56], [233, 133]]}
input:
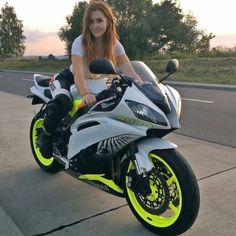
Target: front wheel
{"points": [[172, 203], [49, 165]]}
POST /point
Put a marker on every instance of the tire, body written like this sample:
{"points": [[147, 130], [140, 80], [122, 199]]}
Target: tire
{"points": [[49, 165], [173, 205]]}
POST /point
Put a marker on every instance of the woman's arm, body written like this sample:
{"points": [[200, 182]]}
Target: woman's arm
{"points": [[126, 67], [80, 83]]}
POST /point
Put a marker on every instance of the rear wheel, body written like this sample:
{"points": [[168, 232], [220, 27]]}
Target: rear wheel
{"points": [[49, 165], [172, 204]]}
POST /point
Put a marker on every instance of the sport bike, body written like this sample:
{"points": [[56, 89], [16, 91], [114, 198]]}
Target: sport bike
{"points": [[117, 145]]}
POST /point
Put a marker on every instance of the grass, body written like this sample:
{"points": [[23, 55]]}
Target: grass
{"points": [[218, 70], [34, 65], [204, 70]]}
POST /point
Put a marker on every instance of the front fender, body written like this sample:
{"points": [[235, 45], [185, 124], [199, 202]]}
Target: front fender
{"points": [[147, 145], [143, 163]]}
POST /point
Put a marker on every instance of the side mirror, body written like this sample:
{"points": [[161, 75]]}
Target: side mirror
{"points": [[172, 66], [102, 66]]}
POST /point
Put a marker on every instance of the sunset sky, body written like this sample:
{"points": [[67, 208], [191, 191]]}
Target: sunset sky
{"points": [[43, 19]]}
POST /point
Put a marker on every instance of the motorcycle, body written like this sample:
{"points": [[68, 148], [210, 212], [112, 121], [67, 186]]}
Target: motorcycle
{"points": [[117, 145]]}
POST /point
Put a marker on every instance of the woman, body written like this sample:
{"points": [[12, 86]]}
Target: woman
{"points": [[99, 40]]}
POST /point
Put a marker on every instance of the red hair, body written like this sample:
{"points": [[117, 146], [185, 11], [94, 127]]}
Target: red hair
{"points": [[110, 36]]}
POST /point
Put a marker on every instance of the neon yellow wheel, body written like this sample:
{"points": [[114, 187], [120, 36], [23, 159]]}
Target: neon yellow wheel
{"points": [[49, 165], [164, 209], [37, 125]]}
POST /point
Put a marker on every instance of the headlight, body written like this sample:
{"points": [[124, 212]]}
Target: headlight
{"points": [[146, 113]]}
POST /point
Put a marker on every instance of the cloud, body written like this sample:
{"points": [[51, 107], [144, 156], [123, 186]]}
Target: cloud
{"points": [[34, 35], [43, 43], [226, 40]]}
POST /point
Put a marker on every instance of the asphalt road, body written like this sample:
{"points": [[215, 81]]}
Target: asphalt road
{"points": [[208, 114], [33, 202]]}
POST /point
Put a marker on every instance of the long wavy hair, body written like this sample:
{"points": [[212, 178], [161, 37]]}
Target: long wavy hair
{"points": [[110, 35]]}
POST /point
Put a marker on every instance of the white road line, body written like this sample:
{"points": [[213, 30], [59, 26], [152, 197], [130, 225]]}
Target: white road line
{"points": [[184, 99], [197, 100], [28, 80]]}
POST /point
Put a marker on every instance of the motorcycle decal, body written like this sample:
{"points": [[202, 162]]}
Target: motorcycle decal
{"points": [[134, 121], [112, 145]]}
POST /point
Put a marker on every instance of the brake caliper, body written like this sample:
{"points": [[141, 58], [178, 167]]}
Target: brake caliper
{"points": [[139, 184]]}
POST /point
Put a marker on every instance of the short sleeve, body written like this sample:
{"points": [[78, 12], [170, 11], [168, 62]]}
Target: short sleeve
{"points": [[119, 48], [77, 47]]}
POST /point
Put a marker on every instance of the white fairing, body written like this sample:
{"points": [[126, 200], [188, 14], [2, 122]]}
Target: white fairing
{"points": [[108, 128], [111, 124], [39, 93], [39, 90], [175, 103], [133, 94]]}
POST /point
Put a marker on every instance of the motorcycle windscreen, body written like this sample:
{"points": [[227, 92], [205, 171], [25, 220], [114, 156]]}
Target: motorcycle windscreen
{"points": [[144, 72], [150, 87]]}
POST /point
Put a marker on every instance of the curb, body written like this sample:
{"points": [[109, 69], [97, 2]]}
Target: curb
{"points": [[28, 72], [202, 85]]}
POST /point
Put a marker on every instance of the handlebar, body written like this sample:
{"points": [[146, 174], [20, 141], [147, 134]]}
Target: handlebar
{"points": [[115, 89], [113, 93]]}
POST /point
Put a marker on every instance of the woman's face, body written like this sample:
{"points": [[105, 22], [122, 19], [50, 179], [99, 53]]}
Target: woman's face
{"points": [[98, 24]]}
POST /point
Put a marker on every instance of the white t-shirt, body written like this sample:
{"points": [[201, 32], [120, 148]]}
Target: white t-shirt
{"points": [[78, 48], [94, 86]]}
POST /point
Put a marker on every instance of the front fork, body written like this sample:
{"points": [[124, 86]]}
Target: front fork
{"points": [[138, 178], [143, 164]]}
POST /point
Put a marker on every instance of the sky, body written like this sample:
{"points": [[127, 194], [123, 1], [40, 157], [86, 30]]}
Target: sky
{"points": [[43, 19]]}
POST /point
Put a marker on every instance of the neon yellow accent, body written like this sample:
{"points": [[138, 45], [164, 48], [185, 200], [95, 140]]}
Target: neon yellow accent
{"points": [[169, 217], [43, 161], [170, 180], [154, 195], [134, 121], [105, 181], [77, 104]]}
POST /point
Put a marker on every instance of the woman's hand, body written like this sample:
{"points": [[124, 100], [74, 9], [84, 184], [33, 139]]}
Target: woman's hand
{"points": [[89, 99]]}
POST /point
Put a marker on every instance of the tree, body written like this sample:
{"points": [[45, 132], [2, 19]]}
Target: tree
{"points": [[133, 24], [175, 31], [203, 45], [11, 33], [144, 28], [74, 25]]}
